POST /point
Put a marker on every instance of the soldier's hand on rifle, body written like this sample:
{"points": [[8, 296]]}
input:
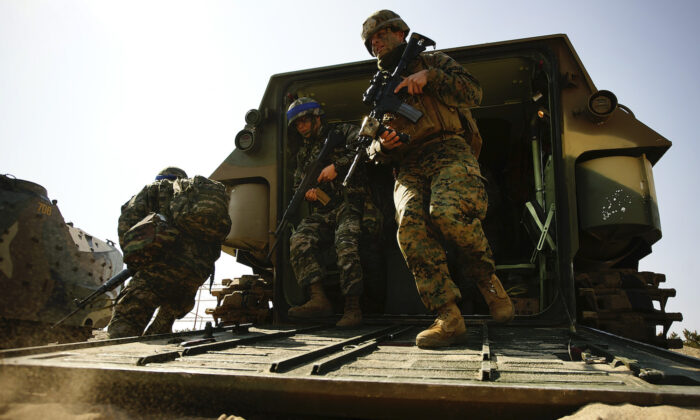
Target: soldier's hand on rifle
{"points": [[390, 140], [311, 195], [414, 83], [327, 174]]}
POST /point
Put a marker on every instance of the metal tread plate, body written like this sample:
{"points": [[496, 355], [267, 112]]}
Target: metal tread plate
{"points": [[509, 366]]}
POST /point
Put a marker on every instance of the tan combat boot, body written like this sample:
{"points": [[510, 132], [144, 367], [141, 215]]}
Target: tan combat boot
{"points": [[447, 329], [500, 305], [317, 306], [352, 315]]}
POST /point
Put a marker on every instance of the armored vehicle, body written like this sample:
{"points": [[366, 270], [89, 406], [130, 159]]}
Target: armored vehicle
{"points": [[45, 264], [572, 205], [572, 211]]}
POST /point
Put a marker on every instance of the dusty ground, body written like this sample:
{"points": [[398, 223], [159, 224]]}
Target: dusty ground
{"points": [[633, 412], [56, 411], [689, 351], [75, 411]]}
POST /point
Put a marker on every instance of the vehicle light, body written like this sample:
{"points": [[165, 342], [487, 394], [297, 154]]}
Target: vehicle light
{"points": [[253, 117], [245, 139], [601, 105]]}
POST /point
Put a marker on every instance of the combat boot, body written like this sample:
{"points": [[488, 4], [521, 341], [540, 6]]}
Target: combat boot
{"points": [[317, 306], [163, 324], [500, 305], [119, 328], [352, 315], [447, 329]]}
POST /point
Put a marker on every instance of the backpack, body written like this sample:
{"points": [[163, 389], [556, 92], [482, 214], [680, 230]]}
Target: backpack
{"points": [[200, 208], [148, 241]]}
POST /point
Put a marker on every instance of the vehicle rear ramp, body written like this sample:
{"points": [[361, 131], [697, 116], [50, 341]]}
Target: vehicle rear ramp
{"points": [[375, 371]]}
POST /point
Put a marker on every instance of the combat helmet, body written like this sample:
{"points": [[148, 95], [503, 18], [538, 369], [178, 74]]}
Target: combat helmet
{"points": [[172, 173], [302, 106], [381, 19]]}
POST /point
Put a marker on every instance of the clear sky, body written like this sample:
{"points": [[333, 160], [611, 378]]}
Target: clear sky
{"points": [[97, 96]]}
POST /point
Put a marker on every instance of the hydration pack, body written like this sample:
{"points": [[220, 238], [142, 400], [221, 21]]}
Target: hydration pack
{"points": [[200, 209]]}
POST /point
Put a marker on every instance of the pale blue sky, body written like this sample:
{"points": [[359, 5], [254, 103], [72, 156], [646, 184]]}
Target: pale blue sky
{"points": [[96, 96]]}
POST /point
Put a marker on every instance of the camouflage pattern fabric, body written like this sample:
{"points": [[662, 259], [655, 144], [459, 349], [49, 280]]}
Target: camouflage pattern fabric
{"points": [[315, 234], [148, 200], [301, 107], [171, 282], [448, 81], [378, 20], [439, 194], [451, 90], [341, 157], [188, 252], [371, 219], [338, 222], [372, 255], [147, 241], [200, 208], [171, 289]]}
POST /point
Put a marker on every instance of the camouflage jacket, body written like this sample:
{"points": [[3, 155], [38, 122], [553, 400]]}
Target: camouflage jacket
{"points": [[450, 92], [341, 157], [195, 255]]}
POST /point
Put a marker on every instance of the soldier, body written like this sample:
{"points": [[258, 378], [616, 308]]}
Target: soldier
{"points": [[439, 194], [169, 284], [335, 219]]}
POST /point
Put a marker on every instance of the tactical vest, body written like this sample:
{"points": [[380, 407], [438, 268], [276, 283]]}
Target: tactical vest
{"points": [[438, 122]]}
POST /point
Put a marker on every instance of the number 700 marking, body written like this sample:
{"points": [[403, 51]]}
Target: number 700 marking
{"points": [[44, 209]]}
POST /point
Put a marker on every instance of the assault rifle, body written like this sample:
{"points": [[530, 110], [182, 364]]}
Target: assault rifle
{"points": [[334, 139], [381, 97], [110, 284]]}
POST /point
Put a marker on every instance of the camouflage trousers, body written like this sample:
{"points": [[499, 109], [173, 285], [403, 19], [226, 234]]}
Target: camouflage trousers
{"points": [[315, 234], [440, 198], [171, 290]]}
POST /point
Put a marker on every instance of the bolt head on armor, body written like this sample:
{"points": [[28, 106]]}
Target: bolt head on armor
{"points": [[302, 106], [379, 20]]}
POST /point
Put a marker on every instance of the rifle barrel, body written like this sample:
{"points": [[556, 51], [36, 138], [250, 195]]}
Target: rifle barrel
{"points": [[110, 284]]}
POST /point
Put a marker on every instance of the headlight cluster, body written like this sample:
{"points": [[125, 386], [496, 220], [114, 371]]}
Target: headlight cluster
{"points": [[246, 139]]}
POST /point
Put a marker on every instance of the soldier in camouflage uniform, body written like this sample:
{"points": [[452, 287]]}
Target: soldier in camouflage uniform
{"points": [[169, 285], [338, 221], [439, 192]]}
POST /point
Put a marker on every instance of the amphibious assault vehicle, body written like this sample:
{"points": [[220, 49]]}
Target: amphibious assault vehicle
{"points": [[572, 211], [46, 263]]}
